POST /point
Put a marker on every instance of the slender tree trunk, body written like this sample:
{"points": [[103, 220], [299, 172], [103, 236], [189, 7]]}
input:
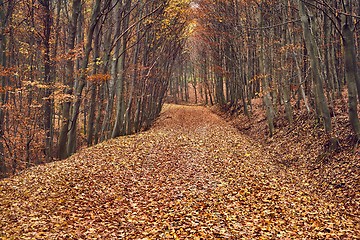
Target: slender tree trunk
{"points": [[120, 101], [334, 67], [285, 84], [300, 82], [194, 84], [68, 81], [3, 64], [219, 89], [93, 87], [313, 51], [128, 120], [47, 79], [72, 135], [270, 114], [327, 57], [351, 69], [99, 115], [108, 89]]}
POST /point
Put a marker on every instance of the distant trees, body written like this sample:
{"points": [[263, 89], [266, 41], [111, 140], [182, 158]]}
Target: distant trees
{"points": [[291, 53], [77, 72]]}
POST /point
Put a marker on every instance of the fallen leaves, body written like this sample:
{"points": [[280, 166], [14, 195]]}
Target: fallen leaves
{"points": [[191, 177]]}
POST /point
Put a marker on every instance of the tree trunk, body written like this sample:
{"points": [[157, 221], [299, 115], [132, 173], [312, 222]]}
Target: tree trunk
{"points": [[313, 51], [97, 126], [120, 64], [285, 84], [68, 81], [270, 114], [3, 81], [219, 88], [300, 82], [72, 135], [327, 57], [93, 87], [351, 69], [48, 106], [109, 86]]}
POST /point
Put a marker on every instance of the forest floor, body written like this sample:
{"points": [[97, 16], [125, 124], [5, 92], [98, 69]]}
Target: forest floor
{"points": [[192, 176]]}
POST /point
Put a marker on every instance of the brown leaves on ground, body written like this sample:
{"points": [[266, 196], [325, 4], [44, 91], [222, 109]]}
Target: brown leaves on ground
{"points": [[304, 150], [192, 176]]}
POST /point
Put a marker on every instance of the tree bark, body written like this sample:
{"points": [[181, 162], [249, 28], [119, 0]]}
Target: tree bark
{"points": [[313, 51], [351, 69], [3, 81], [93, 87], [68, 81], [72, 135], [270, 113], [48, 106], [118, 129]]}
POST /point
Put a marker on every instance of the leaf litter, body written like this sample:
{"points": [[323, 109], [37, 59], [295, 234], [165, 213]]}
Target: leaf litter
{"points": [[192, 176]]}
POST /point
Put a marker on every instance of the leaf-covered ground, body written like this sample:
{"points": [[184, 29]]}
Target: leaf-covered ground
{"points": [[192, 176]]}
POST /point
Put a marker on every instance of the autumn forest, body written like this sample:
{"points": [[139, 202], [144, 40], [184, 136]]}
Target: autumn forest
{"points": [[179, 119]]}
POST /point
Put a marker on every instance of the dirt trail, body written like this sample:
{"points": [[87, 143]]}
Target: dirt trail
{"points": [[192, 176]]}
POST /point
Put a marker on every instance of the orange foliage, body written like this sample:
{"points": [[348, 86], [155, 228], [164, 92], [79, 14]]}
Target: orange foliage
{"points": [[98, 78], [6, 72]]}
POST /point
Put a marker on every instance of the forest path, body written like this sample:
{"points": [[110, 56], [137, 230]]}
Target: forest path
{"points": [[192, 176]]}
